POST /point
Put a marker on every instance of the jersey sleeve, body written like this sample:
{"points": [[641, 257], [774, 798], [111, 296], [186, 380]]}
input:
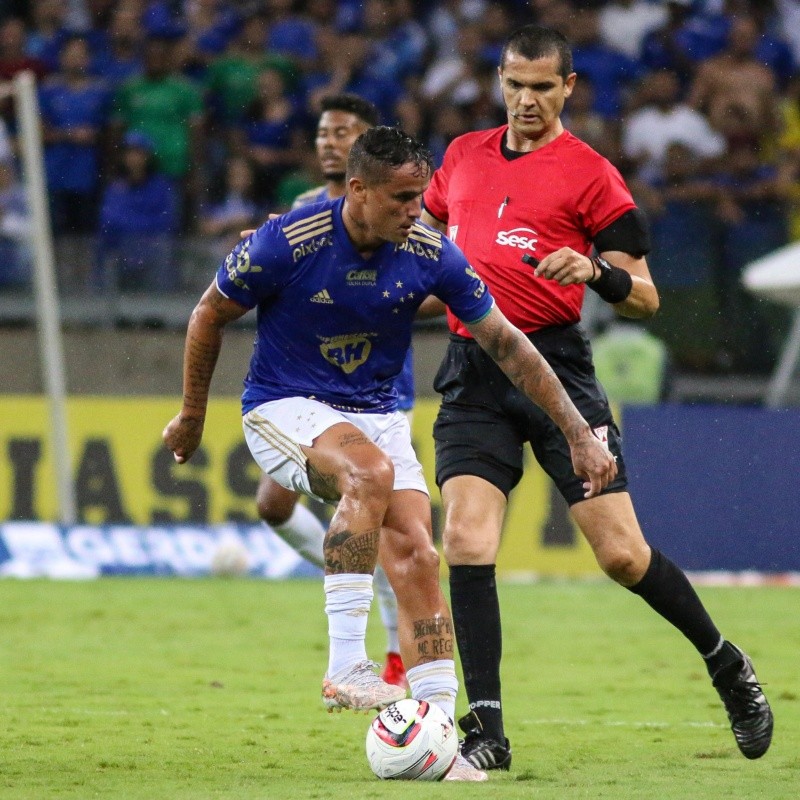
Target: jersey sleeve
{"points": [[605, 198], [257, 267], [460, 288]]}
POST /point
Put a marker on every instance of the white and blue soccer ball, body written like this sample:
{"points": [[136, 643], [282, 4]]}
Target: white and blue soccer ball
{"points": [[411, 740]]}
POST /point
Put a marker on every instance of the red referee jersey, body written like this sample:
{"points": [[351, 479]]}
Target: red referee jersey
{"points": [[497, 211]]}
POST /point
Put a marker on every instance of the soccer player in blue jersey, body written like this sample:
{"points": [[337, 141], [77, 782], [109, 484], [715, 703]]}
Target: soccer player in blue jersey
{"points": [[343, 118], [336, 286]]}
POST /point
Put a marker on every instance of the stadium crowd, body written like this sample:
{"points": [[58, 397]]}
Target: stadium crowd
{"points": [[168, 119]]}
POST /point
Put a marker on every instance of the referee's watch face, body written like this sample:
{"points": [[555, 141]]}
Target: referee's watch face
{"points": [[534, 94]]}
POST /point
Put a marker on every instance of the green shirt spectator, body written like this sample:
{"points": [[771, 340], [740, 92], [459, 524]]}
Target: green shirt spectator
{"points": [[631, 363], [231, 78], [165, 107]]}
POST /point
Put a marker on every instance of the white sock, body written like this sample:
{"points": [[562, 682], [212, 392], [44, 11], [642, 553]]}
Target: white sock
{"points": [[347, 601], [304, 533], [387, 604], [435, 682]]}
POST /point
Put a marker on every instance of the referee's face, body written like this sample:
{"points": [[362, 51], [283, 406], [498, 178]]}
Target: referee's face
{"points": [[534, 93]]}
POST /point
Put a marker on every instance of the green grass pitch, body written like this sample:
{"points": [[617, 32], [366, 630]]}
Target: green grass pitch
{"points": [[137, 688]]}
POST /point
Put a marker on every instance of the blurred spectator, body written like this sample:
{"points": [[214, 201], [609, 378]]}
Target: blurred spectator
{"points": [[680, 204], [789, 15], [49, 32], [625, 23], [15, 229], [753, 213], [663, 120], [209, 26], [736, 80], [123, 58], [302, 178], [13, 55], [789, 154], [139, 218], [454, 77], [554, 14], [497, 23], [231, 79], [445, 19], [270, 136], [236, 211], [449, 122], [771, 48], [670, 46], [344, 66], [405, 42], [169, 110], [632, 365], [392, 56], [292, 33], [610, 72], [75, 109], [580, 119]]}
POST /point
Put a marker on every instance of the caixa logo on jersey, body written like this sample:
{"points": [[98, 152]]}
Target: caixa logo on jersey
{"points": [[521, 238]]}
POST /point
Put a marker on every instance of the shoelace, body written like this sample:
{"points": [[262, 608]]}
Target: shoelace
{"points": [[746, 694]]}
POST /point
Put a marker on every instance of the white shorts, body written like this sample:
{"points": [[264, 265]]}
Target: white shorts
{"points": [[274, 432]]}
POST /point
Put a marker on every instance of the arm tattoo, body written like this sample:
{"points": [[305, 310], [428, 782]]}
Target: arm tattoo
{"points": [[527, 369], [346, 551]]}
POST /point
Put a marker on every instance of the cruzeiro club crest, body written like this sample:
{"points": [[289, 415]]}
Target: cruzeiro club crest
{"points": [[347, 352]]}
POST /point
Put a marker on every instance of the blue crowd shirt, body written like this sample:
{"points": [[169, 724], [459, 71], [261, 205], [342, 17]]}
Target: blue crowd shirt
{"points": [[73, 167], [332, 325]]}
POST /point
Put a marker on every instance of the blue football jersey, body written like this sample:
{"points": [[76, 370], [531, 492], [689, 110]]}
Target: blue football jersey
{"points": [[331, 324]]}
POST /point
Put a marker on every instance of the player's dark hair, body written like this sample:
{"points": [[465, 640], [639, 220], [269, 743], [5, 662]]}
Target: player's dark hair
{"points": [[352, 104], [534, 41], [381, 149]]}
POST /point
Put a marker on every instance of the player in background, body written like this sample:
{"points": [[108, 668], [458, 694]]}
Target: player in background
{"points": [[320, 408], [343, 118], [527, 203]]}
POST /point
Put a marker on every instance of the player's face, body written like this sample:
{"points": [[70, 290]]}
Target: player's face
{"points": [[336, 132], [534, 95], [390, 209]]}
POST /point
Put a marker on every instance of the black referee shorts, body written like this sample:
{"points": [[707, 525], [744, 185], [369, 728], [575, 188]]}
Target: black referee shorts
{"points": [[484, 420]]}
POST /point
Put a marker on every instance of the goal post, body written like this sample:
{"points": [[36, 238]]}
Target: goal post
{"points": [[45, 286]]}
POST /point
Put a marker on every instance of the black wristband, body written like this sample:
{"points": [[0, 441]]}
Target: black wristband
{"points": [[614, 284]]}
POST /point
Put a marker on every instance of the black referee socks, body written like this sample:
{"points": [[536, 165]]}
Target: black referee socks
{"points": [[666, 589], [476, 616]]}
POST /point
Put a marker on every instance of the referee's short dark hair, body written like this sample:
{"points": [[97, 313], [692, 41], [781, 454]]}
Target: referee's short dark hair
{"points": [[385, 148], [535, 41], [351, 104]]}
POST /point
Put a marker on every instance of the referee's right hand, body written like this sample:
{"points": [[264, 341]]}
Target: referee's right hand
{"points": [[592, 460]]}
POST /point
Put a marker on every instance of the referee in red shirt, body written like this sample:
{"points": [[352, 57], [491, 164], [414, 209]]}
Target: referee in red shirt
{"points": [[541, 216]]}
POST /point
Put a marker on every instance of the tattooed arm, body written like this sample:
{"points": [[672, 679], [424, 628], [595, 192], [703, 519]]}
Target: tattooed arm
{"points": [[203, 343], [532, 375]]}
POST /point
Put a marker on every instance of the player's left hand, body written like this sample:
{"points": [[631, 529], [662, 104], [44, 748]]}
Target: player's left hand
{"points": [[592, 460], [566, 266], [183, 436]]}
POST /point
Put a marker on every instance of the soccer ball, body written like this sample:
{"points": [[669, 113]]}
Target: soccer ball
{"points": [[411, 740], [230, 558]]}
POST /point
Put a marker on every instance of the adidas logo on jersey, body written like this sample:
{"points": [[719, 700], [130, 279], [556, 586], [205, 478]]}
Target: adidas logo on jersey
{"points": [[322, 297]]}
